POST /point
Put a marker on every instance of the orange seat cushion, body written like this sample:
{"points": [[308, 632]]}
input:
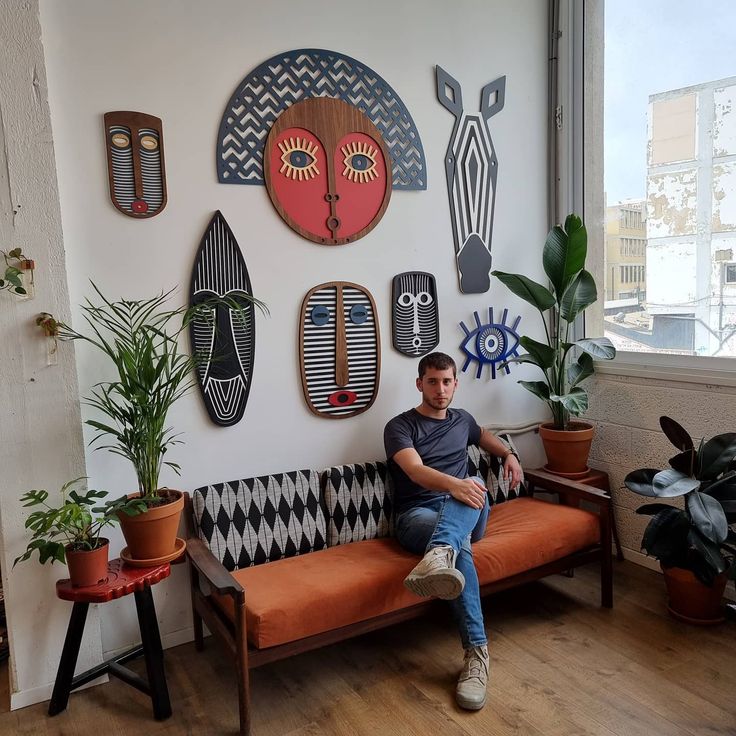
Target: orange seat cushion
{"points": [[301, 596]]}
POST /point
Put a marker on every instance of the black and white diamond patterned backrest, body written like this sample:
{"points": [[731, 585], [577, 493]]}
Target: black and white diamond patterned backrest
{"points": [[255, 520], [358, 502], [489, 467]]}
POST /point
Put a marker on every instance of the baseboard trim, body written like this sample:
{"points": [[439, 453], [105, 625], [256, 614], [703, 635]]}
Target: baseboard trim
{"points": [[24, 698]]}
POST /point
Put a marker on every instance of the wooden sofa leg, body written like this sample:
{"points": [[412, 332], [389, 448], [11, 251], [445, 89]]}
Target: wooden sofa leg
{"points": [[606, 559], [196, 618], [241, 641]]}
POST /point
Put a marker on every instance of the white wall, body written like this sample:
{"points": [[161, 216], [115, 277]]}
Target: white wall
{"points": [[181, 61]]}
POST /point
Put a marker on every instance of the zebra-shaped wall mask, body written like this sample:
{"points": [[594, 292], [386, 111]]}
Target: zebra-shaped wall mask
{"points": [[472, 169]]}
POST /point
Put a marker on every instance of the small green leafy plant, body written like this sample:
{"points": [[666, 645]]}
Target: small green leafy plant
{"points": [[141, 339], [11, 279], [700, 536], [76, 523], [572, 291]]}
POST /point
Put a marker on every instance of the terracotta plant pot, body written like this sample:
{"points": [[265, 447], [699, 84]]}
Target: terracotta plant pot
{"points": [[567, 450], [692, 601], [152, 534], [87, 567]]}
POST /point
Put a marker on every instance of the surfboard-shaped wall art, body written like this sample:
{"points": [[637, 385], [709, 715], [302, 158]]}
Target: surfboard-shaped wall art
{"points": [[225, 340]]}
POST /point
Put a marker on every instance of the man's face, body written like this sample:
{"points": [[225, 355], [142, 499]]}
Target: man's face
{"points": [[437, 387]]}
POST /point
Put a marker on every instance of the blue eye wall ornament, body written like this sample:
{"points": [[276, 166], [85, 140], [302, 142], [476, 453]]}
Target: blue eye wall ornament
{"points": [[471, 167], [490, 343]]}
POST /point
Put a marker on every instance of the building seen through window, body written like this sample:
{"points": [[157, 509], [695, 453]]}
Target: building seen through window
{"points": [[670, 180]]}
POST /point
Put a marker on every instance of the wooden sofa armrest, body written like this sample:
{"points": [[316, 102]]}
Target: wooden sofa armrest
{"points": [[566, 487], [212, 570]]}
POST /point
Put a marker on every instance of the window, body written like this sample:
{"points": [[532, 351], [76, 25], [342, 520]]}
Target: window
{"points": [[669, 176]]}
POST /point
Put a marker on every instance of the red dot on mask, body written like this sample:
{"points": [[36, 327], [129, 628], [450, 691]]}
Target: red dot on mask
{"points": [[139, 206]]}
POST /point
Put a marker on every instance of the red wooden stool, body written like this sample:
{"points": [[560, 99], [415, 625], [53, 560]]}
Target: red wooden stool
{"points": [[121, 580]]}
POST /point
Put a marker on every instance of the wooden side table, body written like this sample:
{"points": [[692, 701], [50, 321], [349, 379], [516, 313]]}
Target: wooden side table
{"points": [[121, 580], [599, 479]]}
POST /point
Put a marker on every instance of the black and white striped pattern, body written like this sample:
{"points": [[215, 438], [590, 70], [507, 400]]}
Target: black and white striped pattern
{"points": [[319, 350], [416, 327], [151, 175], [224, 342], [123, 180], [473, 185]]}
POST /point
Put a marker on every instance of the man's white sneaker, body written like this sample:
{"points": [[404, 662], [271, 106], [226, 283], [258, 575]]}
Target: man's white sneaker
{"points": [[473, 682], [436, 575]]}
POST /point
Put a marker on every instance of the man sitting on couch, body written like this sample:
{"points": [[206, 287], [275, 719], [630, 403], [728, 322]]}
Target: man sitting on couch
{"points": [[440, 510]]}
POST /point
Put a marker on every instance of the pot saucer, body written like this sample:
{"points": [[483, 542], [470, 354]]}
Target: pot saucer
{"points": [[571, 476], [696, 621], [179, 546]]}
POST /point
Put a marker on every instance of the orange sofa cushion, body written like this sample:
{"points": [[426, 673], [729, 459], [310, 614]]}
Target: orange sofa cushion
{"points": [[293, 598]]}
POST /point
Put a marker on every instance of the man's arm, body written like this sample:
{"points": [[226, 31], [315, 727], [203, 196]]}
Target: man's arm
{"points": [[465, 490], [511, 467]]}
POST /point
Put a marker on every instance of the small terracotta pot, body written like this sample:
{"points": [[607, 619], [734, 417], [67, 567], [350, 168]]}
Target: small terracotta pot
{"points": [[87, 567], [567, 450], [152, 534], [692, 601]]}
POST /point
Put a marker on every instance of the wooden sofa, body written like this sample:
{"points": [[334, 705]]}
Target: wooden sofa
{"points": [[333, 570]]}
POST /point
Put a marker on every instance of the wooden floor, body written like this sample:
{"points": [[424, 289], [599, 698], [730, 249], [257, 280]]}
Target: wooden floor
{"points": [[561, 666]]}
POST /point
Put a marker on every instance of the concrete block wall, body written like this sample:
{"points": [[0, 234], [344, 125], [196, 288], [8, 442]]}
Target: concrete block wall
{"points": [[626, 411]]}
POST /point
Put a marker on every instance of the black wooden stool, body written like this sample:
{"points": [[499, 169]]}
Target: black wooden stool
{"points": [[121, 580]]}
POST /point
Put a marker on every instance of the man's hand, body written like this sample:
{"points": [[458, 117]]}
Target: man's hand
{"points": [[512, 470], [468, 491]]}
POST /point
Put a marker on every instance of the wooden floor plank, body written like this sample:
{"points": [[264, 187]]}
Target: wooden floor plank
{"points": [[560, 666]]}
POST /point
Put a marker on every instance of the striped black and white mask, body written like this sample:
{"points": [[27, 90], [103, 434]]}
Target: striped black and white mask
{"points": [[339, 349], [416, 328], [135, 161]]}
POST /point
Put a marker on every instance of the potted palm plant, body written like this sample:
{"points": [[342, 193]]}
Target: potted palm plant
{"points": [[564, 364], [141, 338], [70, 532], [695, 543]]}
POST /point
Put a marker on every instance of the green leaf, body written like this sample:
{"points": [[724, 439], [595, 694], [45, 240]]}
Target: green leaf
{"points": [[528, 290], [708, 550], [581, 370], [538, 388], [640, 481], [708, 516], [671, 483], [685, 462], [676, 434], [15, 253], [575, 401], [649, 509], [564, 253], [716, 455], [601, 348], [543, 355], [578, 295], [666, 535]]}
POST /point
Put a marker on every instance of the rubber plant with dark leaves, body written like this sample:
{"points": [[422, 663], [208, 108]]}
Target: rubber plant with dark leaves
{"points": [[700, 536], [572, 290]]}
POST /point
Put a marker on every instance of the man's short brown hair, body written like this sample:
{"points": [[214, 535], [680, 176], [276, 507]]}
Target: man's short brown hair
{"points": [[438, 361]]}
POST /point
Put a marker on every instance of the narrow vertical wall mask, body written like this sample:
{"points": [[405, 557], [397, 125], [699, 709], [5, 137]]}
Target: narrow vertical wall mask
{"points": [[135, 163]]}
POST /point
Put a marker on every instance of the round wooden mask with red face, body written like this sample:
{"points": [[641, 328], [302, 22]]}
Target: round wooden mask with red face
{"points": [[327, 171]]}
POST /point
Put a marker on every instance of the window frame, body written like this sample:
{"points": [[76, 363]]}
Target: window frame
{"points": [[704, 370]]}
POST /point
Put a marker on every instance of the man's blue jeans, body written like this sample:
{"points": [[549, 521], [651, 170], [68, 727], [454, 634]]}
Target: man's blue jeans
{"points": [[444, 521]]}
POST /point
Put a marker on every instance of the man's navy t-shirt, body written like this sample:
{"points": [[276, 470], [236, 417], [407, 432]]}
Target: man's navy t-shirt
{"points": [[441, 443]]}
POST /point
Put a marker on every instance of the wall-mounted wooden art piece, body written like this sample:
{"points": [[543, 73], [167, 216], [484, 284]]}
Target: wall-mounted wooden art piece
{"points": [[135, 163], [415, 314], [472, 169], [226, 340], [349, 159], [327, 171], [490, 343], [339, 349]]}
